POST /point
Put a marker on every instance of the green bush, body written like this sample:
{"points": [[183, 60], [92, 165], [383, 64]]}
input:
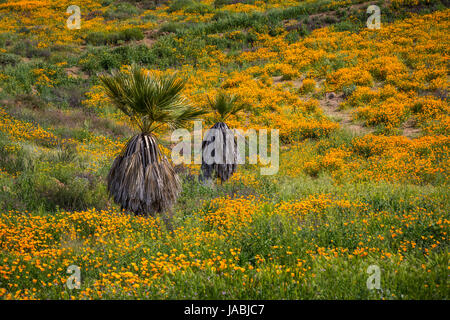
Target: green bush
{"points": [[105, 59], [292, 37], [199, 8], [180, 5], [7, 39], [121, 10], [170, 27], [62, 186], [221, 3], [104, 38], [20, 78], [8, 59], [348, 25], [31, 101], [348, 90], [28, 49], [13, 161]]}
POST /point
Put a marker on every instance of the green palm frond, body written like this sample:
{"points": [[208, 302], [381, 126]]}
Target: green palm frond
{"points": [[225, 105], [150, 101]]}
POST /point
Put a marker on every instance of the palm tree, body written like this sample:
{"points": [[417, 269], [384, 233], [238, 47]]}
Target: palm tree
{"points": [[223, 106], [141, 178]]}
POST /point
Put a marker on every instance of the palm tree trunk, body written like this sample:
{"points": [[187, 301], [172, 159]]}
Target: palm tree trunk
{"points": [[226, 165], [141, 178]]}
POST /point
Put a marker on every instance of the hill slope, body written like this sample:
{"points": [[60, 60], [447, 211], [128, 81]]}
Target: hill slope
{"points": [[363, 179]]}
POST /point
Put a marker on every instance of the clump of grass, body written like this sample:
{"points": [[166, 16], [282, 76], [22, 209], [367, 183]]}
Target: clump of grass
{"points": [[104, 38], [121, 10], [29, 49], [8, 59]]}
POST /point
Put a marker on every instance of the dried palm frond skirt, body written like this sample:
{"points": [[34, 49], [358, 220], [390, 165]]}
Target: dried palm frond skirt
{"points": [[141, 178], [219, 153]]}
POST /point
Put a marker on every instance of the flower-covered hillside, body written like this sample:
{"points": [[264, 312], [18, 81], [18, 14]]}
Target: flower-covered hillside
{"points": [[363, 118]]}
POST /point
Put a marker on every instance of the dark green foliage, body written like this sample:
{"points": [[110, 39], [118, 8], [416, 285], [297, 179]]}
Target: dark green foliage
{"points": [[159, 55], [349, 25], [189, 6], [199, 8], [170, 27], [348, 90], [29, 101], [8, 59], [121, 10], [293, 36], [104, 38], [13, 162], [29, 49], [7, 39], [20, 79], [62, 183], [68, 96], [63, 187]]}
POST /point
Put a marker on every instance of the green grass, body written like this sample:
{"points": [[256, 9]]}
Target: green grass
{"points": [[44, 187]]}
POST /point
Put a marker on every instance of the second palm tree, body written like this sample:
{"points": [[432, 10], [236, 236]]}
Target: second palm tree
{"points": [[221, 139]]}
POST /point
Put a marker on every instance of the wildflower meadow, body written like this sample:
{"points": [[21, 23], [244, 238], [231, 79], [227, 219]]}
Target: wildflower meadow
{"points": [[362, 120]]}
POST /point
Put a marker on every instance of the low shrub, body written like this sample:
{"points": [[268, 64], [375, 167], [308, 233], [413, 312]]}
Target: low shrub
{"points": [[121, 10], [103, 38], [8, 59]]}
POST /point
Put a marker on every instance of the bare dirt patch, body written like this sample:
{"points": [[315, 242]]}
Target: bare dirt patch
{"points": [[149, 38], [295, 83], [330, 106], [76, 72], [409, 128]]}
